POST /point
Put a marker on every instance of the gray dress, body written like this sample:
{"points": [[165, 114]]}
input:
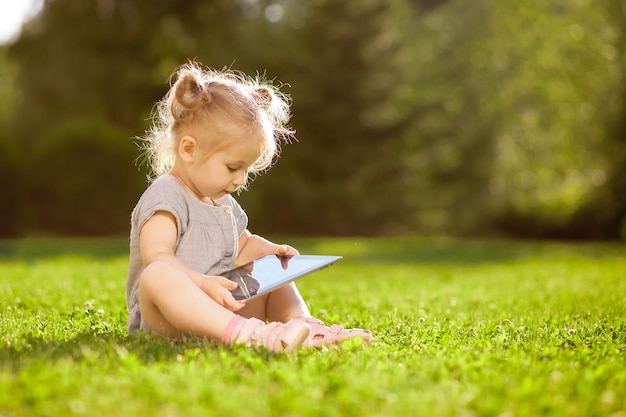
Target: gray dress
{"points": [[207, 235]]}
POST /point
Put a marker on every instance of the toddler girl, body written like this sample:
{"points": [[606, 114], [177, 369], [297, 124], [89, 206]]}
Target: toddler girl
{"points": [[212, 130]]}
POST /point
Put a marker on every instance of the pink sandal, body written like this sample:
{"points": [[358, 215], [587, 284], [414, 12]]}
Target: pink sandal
{"points": [[321, 334], [275, 336]]}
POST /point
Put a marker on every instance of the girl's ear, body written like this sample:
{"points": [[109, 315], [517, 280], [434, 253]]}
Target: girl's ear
{"points": [[187, 148]]}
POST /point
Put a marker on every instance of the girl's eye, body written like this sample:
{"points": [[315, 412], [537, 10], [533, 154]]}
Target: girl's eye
{"points": [[232, 168]]}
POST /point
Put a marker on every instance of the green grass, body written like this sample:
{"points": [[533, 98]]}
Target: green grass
{"points": [[462, 328]]}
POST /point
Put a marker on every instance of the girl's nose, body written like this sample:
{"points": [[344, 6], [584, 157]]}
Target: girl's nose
{"points": [[240, 179]]}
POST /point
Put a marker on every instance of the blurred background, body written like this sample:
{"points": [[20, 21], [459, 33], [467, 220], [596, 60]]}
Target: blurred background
{"points": [[431, 117]]}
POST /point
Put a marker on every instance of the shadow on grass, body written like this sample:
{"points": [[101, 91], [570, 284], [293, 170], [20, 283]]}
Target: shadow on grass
{"points": [[435, 251], [31, 249], [99, 348], [462, 252], [105, 350], [423, 250], [359, 250]]}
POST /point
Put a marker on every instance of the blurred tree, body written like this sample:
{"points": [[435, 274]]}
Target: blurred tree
{"points": [[84, 185], [12, 198], [615, 204], [105, 60], [106, 57], [7, 87], [602, 213], [447, 157], [439, 116], [12, 184], [552, 88], [344, 63]]}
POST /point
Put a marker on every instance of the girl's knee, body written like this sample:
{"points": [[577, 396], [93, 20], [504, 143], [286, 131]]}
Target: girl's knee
{"points": [[153, 275]]}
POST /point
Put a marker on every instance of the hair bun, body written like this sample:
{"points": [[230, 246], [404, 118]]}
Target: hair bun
{"points": [[189, 94], [264, 97], [205, 92]]}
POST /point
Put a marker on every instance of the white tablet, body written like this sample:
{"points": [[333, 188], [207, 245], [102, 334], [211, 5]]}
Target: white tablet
{"points": [[271, 272]]}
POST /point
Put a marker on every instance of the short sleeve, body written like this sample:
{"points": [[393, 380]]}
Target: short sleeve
{"points": [[161, 196], [144, 212]]}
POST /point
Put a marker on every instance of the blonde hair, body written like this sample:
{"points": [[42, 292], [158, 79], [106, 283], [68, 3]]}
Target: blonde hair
{"points": [[215, 98]]}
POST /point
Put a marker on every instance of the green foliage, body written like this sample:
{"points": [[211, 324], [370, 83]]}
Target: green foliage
{"points": [[557, 87], [483, 328], [447, 157], [7, 87], [12, 184], [519, 140], [344, 98], [431, 116], [84, 176]]}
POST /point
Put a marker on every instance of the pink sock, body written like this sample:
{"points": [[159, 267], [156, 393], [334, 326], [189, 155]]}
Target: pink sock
{"points": [[230, 329]]}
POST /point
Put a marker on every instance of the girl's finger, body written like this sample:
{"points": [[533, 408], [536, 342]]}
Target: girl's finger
{"points": [[228, 284]]}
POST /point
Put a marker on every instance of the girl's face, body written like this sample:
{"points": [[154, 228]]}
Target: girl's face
{"points": [[214, 174]]}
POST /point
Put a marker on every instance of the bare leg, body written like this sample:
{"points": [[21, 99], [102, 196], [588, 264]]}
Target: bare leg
{"points": [[282, 304], [286, 303], [172, 305]]}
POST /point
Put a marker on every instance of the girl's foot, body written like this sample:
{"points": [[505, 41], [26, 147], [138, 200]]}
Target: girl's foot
{"points": [[321, 334], [275, 336]]}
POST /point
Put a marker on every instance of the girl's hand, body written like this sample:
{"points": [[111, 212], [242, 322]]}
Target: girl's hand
{"points": [[252, 247], [286, 250], [218, 288]]}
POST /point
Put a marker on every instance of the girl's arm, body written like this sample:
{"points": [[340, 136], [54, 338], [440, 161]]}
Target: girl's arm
{"points": [[157, 240], [253, 247]]}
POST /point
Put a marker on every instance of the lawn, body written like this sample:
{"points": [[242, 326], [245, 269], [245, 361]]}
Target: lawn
{"points": [[462, 328]]}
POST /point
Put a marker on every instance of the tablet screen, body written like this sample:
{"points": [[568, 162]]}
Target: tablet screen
{"points": [[270, 272]]}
